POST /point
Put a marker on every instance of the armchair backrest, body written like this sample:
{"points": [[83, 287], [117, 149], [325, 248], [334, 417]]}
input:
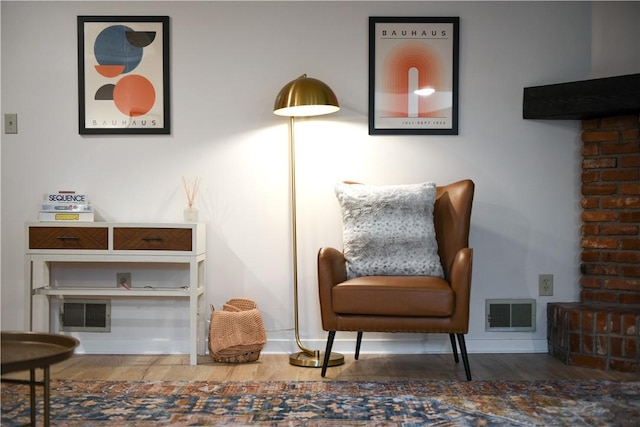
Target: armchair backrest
{"points": [[452, 220]]}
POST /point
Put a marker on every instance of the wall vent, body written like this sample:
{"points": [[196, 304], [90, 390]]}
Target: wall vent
{"points": [[85, 315], [517, 315]]}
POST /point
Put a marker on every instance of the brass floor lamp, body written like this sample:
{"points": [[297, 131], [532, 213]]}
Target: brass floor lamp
{"points": [[303, 97]]}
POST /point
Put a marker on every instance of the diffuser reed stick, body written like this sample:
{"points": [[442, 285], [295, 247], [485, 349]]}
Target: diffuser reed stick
{"points": [[191, 191]]}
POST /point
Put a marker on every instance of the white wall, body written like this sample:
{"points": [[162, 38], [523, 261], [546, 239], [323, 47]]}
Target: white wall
{"points": [[615, 48], [229, 60]]}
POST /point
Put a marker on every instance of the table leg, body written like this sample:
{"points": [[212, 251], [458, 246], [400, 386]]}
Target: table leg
{"points": [[32, 395], [46, 396]]}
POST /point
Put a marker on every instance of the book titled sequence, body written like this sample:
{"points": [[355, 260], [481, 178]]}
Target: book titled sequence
{"points": [[66, 206]]}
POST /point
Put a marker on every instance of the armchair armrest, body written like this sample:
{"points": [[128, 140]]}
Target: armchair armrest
{"points": [[460, 281], [332, 269]]}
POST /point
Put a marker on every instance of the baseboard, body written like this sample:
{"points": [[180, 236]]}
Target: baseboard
{"points": [[137, 346], [438, 345]]}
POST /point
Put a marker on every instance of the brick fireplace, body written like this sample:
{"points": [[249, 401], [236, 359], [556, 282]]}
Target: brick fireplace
{"points": [[602, 330], [611, 210]]}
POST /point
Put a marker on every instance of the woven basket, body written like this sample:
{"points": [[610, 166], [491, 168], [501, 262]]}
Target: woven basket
{"points": [[236, 334], [242, 303], [237, 354]]}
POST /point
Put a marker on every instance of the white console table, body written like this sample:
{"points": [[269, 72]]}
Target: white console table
{"points": [[63, 244]]}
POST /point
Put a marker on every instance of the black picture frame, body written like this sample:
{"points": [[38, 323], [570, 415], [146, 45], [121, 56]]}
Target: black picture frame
{"points": [[407, 54], [123, 75]]}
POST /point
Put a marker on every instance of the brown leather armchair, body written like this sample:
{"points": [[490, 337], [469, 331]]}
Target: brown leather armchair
{"points": [[421, 304]]}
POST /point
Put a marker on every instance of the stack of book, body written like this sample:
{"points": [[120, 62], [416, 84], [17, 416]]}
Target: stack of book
{"points": [[66, 206]]}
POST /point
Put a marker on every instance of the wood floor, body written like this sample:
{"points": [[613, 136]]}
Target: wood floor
{"points": [[369, 367]]}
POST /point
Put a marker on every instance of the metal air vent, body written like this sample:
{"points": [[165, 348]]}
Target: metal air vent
{"points": [[517, 315], [85, 315]]}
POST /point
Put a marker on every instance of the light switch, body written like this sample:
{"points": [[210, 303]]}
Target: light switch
{"points": [[11, 123]]}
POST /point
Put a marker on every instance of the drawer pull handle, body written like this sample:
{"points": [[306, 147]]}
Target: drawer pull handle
{"points": [[152, 239], [68, 238]]}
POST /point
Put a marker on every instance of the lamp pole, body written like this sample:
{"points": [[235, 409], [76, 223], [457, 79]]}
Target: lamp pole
{"points": [[303, 97]]}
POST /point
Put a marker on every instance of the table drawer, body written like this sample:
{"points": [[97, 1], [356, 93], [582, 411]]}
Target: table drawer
{"points": [[68, 238], [155, 239]]}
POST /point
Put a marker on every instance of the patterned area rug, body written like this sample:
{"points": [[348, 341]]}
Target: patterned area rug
{"points": [[332, 403]]}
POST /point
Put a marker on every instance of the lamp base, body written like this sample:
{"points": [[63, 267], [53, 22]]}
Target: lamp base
{"points": [[316, 360]]}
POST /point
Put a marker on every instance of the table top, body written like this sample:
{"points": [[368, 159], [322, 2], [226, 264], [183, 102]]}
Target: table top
{"points": [[27, 350]]}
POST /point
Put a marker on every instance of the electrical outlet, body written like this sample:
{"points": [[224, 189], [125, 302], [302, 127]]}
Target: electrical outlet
{"points": [[10, 123], [123, 280], [545, 284]]}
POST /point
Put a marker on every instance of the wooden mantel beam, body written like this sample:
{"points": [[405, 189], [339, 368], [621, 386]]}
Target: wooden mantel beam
{"points": [[610, 96]]}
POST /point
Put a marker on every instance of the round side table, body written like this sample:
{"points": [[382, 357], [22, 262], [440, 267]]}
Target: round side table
{"points": [[21, 351]]}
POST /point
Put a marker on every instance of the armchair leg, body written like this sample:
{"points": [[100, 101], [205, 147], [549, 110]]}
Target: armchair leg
{"points": [[358, 343], [452, 337], [327, 352], [465, 358]]}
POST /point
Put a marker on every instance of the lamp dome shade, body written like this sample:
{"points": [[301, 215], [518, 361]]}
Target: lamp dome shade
{"points": [[305, 96]]}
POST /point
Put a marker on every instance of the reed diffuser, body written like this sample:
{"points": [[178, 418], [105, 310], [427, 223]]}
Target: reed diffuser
{"points": [[191, 212]]}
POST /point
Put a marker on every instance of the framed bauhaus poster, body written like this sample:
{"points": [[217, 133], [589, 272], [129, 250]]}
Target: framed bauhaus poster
{"points": [[413, 75], [123, 74]]}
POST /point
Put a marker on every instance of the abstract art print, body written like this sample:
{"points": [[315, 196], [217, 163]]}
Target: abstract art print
{"points": [[123, 74], [413, 75]]}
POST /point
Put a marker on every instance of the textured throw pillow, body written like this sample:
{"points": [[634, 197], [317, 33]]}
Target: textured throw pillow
{"points": [[388, 230]]}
